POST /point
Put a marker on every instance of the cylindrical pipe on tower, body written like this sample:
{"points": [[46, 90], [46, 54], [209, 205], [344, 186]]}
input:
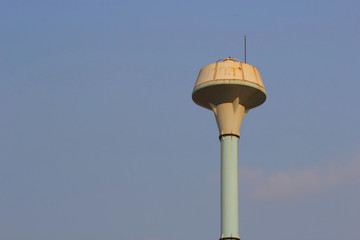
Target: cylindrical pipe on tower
{"points": [[229, 187]]}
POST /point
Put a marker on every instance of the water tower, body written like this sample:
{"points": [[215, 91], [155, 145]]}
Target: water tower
{"points": [[229, 88]]}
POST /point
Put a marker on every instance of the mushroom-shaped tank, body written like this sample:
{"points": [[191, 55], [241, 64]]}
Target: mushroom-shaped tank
{"points": [[230, 88]]}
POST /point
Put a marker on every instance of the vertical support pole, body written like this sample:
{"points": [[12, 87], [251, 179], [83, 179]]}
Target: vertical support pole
{"points": [[245, 48], [229, 187]]}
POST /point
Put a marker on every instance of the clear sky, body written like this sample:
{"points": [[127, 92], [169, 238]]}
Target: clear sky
{"points": [[99, 137]]}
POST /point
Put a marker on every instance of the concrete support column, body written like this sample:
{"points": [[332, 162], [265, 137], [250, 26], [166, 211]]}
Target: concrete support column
{"points": [[229, 187]]}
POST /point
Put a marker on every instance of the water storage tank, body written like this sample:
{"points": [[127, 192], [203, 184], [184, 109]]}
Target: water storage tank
{"points": [[230, 87]]}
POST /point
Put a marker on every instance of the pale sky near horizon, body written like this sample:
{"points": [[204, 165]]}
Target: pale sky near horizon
{"points": [[99, 137]]}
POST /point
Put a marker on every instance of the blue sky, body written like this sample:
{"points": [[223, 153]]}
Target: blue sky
{"points": [[99, 137]]}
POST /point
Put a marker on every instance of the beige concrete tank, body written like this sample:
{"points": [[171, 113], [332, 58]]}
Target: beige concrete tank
{"points": [[230, 89]]}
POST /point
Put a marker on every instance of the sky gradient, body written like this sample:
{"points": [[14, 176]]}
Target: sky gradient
{"points": [[99, 137]]}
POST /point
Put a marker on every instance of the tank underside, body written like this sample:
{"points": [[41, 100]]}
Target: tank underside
{"points": [[250, 95]]}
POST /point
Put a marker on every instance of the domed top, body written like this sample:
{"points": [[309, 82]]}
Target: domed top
{"points": [[225, 81]]}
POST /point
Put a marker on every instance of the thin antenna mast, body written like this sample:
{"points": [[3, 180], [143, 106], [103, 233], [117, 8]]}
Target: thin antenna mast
{"points": [[245, 48]]}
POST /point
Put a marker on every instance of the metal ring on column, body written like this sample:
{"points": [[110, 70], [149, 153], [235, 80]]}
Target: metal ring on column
{"points": [[225, 238], [228, 134]]}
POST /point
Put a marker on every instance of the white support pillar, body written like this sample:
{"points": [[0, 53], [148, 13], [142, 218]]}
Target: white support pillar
{"points": [[229, 187]]}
